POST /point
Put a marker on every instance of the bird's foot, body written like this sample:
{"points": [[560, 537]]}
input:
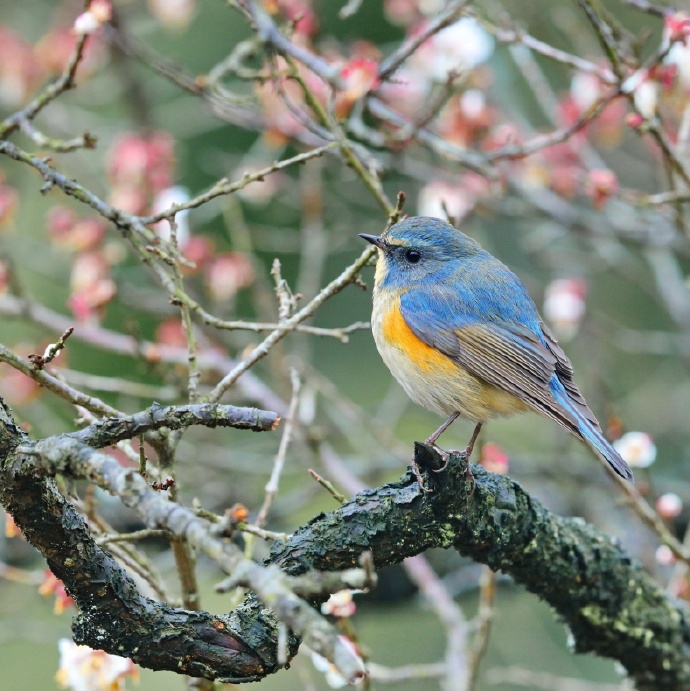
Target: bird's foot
{"points": [[416, 469], [445, 456]]}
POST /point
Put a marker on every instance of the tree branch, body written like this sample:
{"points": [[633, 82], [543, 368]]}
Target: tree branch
{"points": [[611, 605]]}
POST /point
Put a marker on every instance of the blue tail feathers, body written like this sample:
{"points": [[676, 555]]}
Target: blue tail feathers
{"points": [[589, 431]]}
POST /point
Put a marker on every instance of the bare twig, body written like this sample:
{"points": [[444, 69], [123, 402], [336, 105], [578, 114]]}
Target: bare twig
{"points": [[272, 485]]}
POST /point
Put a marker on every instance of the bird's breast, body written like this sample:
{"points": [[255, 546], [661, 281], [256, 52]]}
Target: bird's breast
{"points": [[429, 377]]}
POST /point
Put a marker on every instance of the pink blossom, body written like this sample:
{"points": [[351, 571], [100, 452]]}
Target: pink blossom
{"points": [[439, 196], [227, 274], [637, 449], [600, 185], [173, 14], [85, 669], [9, 199], [261, 191], [664, 556], [677, 27], [359, 76], [171, 333], [91, 285], [164, 201], [406, 91], [281, 123], [299, 12], [52, 585], [585, 90], [669, 505], [68, 229], [461, 46], [197, 250], [20, 72], [564, 305], [466, 118], [139, 167], [494, 458], [99, 13], [340, 604]]}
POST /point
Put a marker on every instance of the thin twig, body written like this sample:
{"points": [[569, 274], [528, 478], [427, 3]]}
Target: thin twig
{"points": [[272, 485]]}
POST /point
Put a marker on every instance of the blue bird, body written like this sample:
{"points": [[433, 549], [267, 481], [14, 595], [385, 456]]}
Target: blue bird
{"points": [[460, 333]]}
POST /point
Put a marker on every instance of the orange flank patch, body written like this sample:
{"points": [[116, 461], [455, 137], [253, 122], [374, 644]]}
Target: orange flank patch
{"points": [[398, 334]]}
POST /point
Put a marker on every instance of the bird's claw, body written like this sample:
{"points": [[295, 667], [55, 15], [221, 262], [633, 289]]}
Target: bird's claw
{"points": [[420, 479], [445, 456]]}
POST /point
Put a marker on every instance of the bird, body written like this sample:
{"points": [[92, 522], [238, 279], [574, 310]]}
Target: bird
{"points": [[461, 334]]}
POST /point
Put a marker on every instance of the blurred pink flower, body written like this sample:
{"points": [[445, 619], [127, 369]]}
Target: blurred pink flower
{"points": [[679, 57], [494, 459], [637, 449], [565, 305], [299, 12], [406, 91], [198, 250], [228, 273], [437, 194], [91, 286], [98, 13], [677, 27], [669, 505], [69, 230], [359, 77], [340, 604], [173, 14], [260, 191], [645, 91], [585, 90], [20, 72], [52, 585], [85, 669], [139, 167], [281, 123], [664, 556], [9, 199], [171, 332], [462, 46], [163, 201], [466, 118], [600, 185]]}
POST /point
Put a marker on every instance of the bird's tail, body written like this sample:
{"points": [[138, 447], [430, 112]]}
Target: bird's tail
{"points": [[589, 431]]}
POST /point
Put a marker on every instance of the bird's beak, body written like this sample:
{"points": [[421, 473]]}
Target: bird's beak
{"points": [[374, 240]]}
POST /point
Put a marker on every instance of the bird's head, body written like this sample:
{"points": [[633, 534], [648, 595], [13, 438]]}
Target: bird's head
{"points": [[420, 249]]}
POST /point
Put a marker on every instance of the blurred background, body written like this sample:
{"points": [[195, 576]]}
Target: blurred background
{"points": [[580, 222]]}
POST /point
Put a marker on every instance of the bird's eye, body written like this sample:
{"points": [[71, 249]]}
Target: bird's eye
{"points": [[412, 256]]}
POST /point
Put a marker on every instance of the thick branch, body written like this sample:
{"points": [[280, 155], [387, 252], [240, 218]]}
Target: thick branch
{"points": [[612, 607], [114, 616], [128, 624]]}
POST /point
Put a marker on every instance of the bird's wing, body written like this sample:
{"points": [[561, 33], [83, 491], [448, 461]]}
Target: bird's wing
{"points": [[507, 355], [564, 371]]}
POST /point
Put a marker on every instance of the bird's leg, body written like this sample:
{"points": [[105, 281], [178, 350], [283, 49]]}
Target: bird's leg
{"points": [[432, 439], [468, 449], [466, 455], [468, 452]]}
